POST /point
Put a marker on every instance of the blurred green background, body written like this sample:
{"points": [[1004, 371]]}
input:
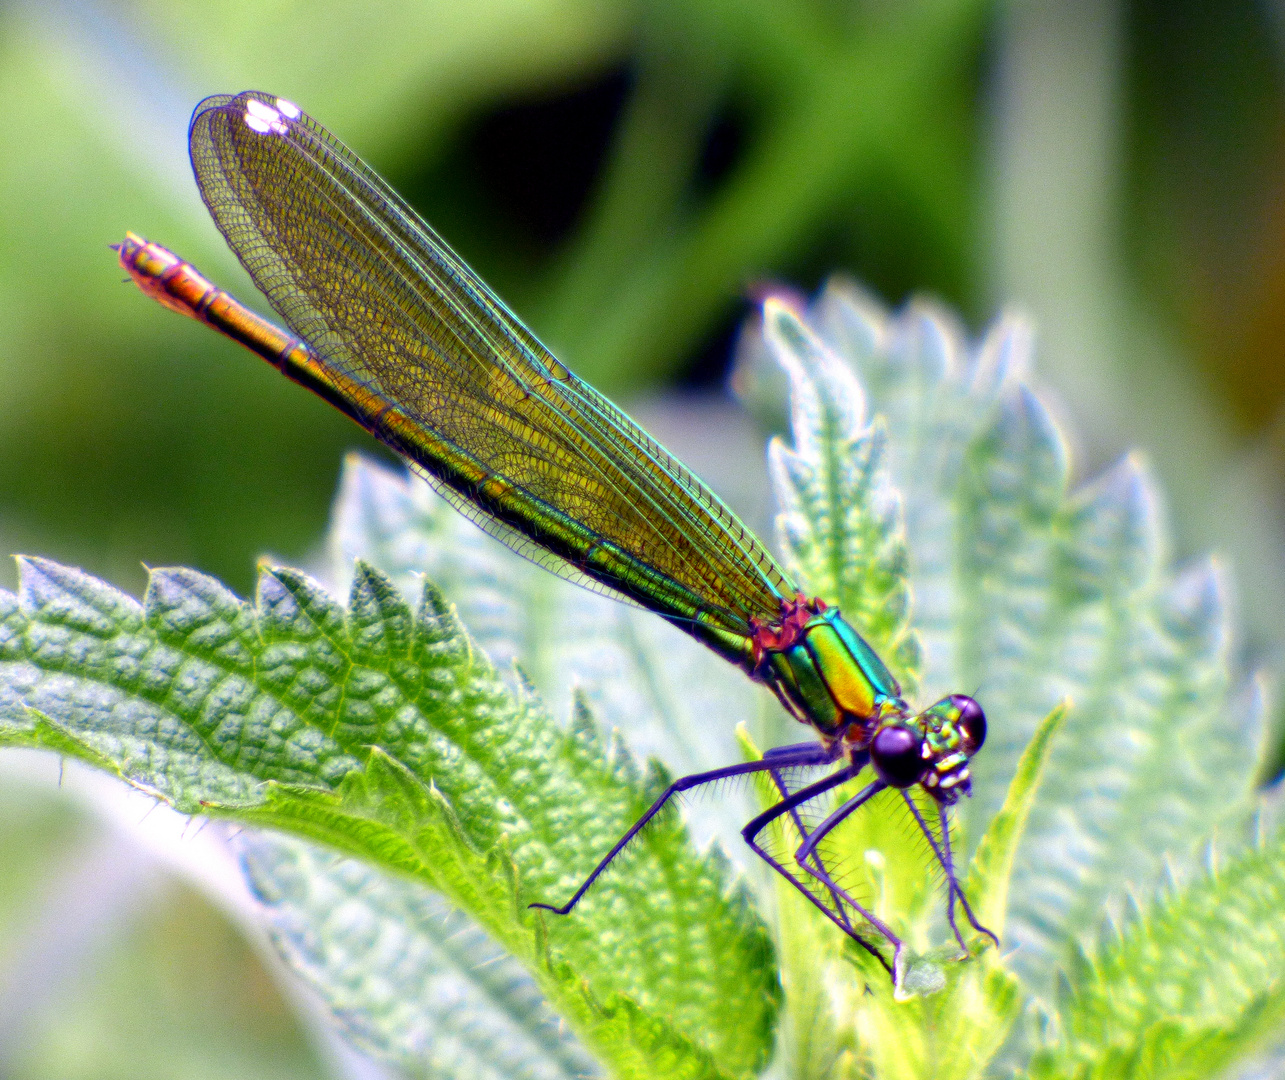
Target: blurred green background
{"points": [[625, 174]]}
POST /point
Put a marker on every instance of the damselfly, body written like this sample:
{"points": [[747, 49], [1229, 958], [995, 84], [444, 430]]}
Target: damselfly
{"points": [[392, 328]]}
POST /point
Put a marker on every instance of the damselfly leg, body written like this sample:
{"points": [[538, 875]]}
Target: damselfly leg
{"points": [[800, 755], [810, 861]]}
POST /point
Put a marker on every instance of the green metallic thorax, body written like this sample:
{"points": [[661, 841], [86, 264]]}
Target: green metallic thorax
{"points": [[827, 676]]}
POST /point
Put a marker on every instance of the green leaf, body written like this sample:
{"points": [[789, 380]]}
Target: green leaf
{"points": [[1190, 984], [1030, 593], [384, 733], [411, 978], [842, 527], [992, 866], [840, 524], [1025, 593]]}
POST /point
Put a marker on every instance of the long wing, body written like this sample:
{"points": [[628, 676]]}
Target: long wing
{"points": [[382, 300]]}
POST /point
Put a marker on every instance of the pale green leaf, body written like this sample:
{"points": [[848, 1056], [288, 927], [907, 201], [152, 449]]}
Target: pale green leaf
{"points": [[1029, 593], [412, 979], [1192, 982], [1024, 592]]}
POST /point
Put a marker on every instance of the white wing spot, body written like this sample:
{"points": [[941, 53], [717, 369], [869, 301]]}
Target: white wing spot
{"points": [[265, 112], [264, 118], [288, 109]]}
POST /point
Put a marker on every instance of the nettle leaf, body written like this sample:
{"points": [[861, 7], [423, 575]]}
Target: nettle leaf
{"points": [[840, 524], [1189, 984], [1032, 593], [384, 733], [411, 978], [1025, 594]]}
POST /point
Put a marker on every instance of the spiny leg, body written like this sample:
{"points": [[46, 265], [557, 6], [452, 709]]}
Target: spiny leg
{"points": [[946, 859], [801, 754], [837, 900], [809, 846], [963, 900], [788, 805], [797, 818]]}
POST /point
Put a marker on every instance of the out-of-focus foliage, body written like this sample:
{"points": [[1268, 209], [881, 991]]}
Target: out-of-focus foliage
{"points": [[623, 173]]}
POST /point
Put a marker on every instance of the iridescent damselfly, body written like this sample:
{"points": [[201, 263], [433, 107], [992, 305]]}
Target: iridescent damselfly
{"points": [[392, 328]]}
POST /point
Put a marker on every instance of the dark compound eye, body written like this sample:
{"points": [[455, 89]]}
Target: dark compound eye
{"points": [[972, 722], [897, 755]]}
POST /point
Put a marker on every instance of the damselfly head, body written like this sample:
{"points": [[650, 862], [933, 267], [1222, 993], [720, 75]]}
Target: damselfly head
{"points": [[953, 730]]}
